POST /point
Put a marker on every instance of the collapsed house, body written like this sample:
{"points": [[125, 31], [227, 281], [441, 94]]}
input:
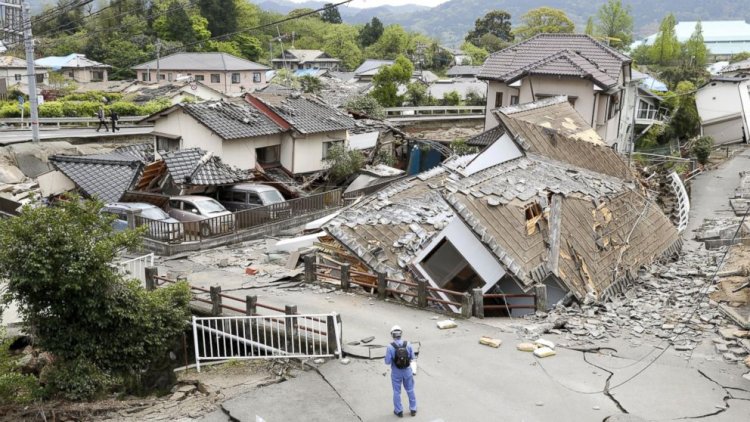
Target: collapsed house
{"points": [[547, 202]]}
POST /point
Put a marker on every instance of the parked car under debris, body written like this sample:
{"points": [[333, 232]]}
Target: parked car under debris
{"points": [[171, 231]]}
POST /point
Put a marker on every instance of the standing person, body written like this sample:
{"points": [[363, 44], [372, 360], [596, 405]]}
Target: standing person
{"points": [[102, 120], [400, 355], [114, 117]]}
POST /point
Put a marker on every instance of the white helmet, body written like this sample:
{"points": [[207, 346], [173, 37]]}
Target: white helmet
{"points": [[396, 331]]}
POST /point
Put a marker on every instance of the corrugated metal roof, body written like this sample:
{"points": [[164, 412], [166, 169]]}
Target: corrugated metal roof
{"points": [[202, 61]]}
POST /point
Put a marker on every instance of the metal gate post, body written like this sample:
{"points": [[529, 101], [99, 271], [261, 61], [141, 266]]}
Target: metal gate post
{"points": [[290, 326], [195, 344]]}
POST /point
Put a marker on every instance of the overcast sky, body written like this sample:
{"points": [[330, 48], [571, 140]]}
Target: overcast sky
{"points": [[376, 3]]}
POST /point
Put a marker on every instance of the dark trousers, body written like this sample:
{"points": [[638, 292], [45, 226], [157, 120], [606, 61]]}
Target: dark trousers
{"points": [[102, 122], [114, 125]]}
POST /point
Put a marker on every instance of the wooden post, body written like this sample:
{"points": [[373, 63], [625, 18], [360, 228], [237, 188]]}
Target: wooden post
{"points": [[478, 297], [540, 299], [215, 292], [466, 305], [290, 326], [151, 273], [309, 260], [382, 286], [345, 268], [421, 293], [251, 305], [331, 334]]}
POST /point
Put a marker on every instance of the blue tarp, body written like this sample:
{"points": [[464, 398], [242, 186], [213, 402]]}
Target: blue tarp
{"points": [[55, 62]]}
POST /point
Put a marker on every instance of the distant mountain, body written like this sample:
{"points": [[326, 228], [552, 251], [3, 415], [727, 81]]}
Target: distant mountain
{"points": [[451, 20]]}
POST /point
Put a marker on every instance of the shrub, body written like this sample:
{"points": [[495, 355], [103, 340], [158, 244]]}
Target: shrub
{"points": [[154, 106], [366, 105], [80, 108], [343, 162], [702, 148], [15, 387], [76, 380], [10, 110], [125, 108], [94, 96], [51, 109]]}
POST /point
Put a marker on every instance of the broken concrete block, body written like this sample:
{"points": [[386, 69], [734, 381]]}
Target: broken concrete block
{"points": [[54, 183], [318, 361], [345, 361], [11, 174], [746, 376], [544, 343], [727, 333], [489, 341], [747, 361], [544, 352], [526, 347], [446, 324]]}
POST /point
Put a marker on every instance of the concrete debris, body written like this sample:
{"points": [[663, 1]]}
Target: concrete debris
{"points": [[526, 347], [446, 324], [544, 343], [489, 341], [345, 361], [319, 361], [544, 352]]}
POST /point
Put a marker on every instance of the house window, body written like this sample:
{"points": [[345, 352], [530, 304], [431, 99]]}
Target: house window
{"points": [[144, 77], [268, 155], [235, 78], [513, 99], [71, 74], [256, 77], [18, 77], [97, 75], [40, 78], [167, 144], [200, 78], [169, 76], [328, 145], [215, 78], [498, 99], [162, 77]]}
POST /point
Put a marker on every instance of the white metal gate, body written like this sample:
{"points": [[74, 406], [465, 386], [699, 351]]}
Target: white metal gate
{"points": [[266, 337], [136, 267], [683, 201]]}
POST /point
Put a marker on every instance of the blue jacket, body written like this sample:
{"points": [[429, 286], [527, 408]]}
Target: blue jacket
{"points": [[390, 354]]}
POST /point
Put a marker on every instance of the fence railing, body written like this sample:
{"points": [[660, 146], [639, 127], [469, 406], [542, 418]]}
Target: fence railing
{"points": [[136, 267], [434, 111], [264, 337], [196, 231], [423, 294], [651, 114], [65, 121]]}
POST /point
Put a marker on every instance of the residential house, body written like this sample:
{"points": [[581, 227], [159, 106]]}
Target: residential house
{"points": [[177, 92], [367, 70], [465, 88], [463, 71], [223, 72], [263, 130], [13, 74], [739, 69], [723, 39], [724, 108], [459, 56], [294, 59], [593, 76], [76, 67], [513, 216]]}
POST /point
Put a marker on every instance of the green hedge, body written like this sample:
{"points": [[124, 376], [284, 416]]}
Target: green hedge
{"points": [[95, 96], [67, 108]]}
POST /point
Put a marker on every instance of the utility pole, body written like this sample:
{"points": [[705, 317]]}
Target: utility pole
{"points": [[31, 72], [158, 57]]}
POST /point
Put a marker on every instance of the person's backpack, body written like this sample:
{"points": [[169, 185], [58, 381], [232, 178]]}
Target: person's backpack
{"points": [[401, 357]]}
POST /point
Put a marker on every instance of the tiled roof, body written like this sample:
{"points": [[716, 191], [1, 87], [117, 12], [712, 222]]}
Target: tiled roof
{"points": [[553, 128], [487, 137], [462, 70], [71, 60], [371, 66], [232, 121], [12, 62], [304, 56], [104, 176], [195, 166], [202, 61], [307, 114], [741, 65], [556, 54]]}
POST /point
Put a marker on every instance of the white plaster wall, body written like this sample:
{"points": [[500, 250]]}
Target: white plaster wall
{"points": [[224, 85], [493, 87], [193, 133], [287, 152], [502, 150], [308, 150], [241, 152], [717, 100]]}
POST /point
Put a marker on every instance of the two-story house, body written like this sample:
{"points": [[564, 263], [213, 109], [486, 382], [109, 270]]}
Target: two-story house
{"points": [[284, 130], [76, 67], [223, 72], [594, 77], [294, 59]]}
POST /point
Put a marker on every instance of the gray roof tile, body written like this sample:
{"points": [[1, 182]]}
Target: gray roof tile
{"points": [[188, 167], [487, 137], [307, 114], [232, 121], [462, 70], [202, 61]]}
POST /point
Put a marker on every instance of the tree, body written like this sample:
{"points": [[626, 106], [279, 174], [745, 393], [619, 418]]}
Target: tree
{"points": [[418, 95], [544, 20], [496, 22], [702, 149], [340, 41], [330, 14], [58, 265], [491, 43], [615, 24], [393, 42], [685, 121], [221, 16], [451, 98], [343, 162], [589, 26], [387, 80], [371, 32], [666, 47], [478, 55], [365, 105], [740, 57], [175, 24], [310, 84], [695, 53]]}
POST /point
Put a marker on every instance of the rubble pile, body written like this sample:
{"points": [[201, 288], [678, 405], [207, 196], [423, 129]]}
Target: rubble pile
{"points": [[669, 302]]}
